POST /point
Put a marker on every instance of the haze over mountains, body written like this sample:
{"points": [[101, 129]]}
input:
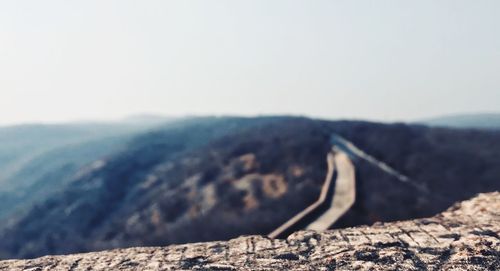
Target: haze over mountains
{"points": [[84, 188], [477, 121], [35, 159]]}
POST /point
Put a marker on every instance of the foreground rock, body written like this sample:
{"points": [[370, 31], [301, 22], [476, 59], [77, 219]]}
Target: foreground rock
{"points": [[466, 237]]}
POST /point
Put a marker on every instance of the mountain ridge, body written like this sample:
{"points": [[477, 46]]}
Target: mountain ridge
{"points": [[466, 121], [234, 176]]}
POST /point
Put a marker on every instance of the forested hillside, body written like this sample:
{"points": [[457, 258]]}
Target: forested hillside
{"points": [[206, 179]]}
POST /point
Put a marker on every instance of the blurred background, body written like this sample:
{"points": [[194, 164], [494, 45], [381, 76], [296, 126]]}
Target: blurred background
{"points": [[127, 123]]}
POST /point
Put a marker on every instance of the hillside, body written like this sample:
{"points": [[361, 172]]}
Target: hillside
{"points": [[206, 179], [462, 238], [35, 160]]}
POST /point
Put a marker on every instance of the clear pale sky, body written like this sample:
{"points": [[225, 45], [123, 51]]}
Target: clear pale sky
{"points": [[379, 60]]}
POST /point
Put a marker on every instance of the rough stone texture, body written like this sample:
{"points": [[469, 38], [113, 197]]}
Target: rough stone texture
{"points": [[466, 237]]}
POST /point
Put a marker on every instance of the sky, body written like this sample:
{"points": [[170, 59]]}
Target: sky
{"points": [[381, 60]]}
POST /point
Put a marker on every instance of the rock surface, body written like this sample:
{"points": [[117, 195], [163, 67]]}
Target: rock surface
{"points": [[466, 237]]}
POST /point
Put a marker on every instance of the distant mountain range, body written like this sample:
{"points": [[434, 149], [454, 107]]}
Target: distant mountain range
{"points": [[200, 179], [474, 121]]}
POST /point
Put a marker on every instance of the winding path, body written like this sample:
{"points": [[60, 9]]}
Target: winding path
{"points": [[333, 202], [344, 196]]}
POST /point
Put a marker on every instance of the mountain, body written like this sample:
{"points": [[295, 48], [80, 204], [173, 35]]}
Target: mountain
{"points": [[472, 121], [37, 159], [147, 119], [203, 179]]}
